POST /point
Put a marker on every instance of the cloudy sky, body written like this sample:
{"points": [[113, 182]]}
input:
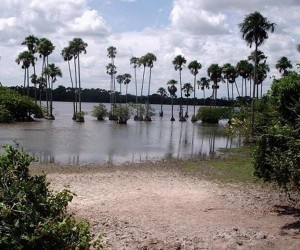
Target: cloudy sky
{"points": [[201, 30]]}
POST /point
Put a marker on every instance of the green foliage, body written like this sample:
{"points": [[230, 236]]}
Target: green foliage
{"points": [[100, 111], [31, 215], [285, 94], [277, 159], [123, 112], [213, 115], [15, 107]]}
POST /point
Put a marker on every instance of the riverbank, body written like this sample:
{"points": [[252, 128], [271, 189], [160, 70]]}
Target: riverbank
{"points": [[184, 204]]}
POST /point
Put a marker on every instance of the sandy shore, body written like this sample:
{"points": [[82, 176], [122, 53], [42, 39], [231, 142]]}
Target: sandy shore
{"points": [[159, 206]]}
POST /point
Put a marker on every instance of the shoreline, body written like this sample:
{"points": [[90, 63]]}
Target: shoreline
{"points": [[169, 205]]}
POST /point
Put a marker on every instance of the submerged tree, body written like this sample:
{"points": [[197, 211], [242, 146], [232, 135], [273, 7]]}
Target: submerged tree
{"points": [[134, 61], [26, 59], [52, 72], [172, 90], [78, 46], [187, 89], [163, 93], [178, 62], [194, 68], [127, 80], [111, 53], [214, 72]]}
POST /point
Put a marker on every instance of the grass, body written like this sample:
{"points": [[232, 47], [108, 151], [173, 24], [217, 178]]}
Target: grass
{"points": [[234, 165]]}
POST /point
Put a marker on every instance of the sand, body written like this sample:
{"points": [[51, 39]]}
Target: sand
{"points": [[159, 206]]}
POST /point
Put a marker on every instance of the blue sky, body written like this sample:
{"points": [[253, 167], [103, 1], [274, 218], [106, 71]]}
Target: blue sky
{"points": [[125, 16], [201, 30]]}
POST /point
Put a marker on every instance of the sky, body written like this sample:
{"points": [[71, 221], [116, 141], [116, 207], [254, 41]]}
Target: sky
{"points": [[206, 31]]}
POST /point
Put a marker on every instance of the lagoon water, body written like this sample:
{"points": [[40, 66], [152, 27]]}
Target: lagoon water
{"points": [[65, 141]]}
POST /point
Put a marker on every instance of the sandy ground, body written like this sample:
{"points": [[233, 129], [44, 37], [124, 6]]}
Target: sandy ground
{"points": [[158, 206]]}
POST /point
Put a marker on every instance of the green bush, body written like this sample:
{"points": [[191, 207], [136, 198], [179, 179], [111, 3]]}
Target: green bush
{"points": [[100, 112], [123, 112], [5, 116], [12, 104], [213, 115], [31, 215]]}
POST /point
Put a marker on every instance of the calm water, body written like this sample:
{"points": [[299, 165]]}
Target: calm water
{"points": [[65, 141]]}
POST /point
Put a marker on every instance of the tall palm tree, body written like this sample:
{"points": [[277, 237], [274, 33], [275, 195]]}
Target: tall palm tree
{"points": [[41, 81], [134, 61], [163, 93], [226, 71], [52, 72], [283, 64], [111, 70], [203, 83], [142, 62], [178, 62], [68, 56], [120, 79], [45, 48], [150, 59], [26, 59], [254, 29], [111, 53], [172, 90], [194, 67], [127, 80], [262, 72], [187, 89], [32, 43], [244, 69], [214, 72], [78, 46]]}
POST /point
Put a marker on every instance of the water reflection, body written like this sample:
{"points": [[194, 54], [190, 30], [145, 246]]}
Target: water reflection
{"points": [[68, 142]]}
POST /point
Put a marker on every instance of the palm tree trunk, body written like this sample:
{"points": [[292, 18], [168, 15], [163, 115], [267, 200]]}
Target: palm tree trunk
{"points": [[50, 96], [180, 106], [228, 90], [237, 89], [76, 86], [245, 87], [253, 97], [143, 84], [72, 84], [79, 83], [194, 95], [172, 108], [148, 96], [27, 81], [126, 92], [161, 110], [120, 93], [24, 83], [34, 73]]}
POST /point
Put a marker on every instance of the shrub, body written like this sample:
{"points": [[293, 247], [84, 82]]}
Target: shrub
{"points": [[213, 115], [18, 107], [31, 215], [123, 112], [100, 112]]}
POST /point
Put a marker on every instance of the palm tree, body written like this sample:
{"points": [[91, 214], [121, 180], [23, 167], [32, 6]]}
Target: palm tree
{"points": [[150, 59], [226, 71], [78, 46], [41, 81], [134, 61], [203, 83], [283, 64], [194, 68], [163, 93], [244, 68], [32, 43], [45, 48], [120, 79], [111, 53], [172, 90], [187, 89], [27, 59], [142, 62], [52, 72], [178, 62], [262, 72], [254, 29], [68, 56], [214, 72], [111, 70], [127, 80]]}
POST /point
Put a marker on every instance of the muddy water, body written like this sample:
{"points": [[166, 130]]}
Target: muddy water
{"points": [[67, 142]]}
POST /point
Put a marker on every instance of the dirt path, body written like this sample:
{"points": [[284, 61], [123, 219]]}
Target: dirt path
{"points": [[155, 206]]}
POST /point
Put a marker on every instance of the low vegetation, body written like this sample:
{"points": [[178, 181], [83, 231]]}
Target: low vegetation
{"points": [[15, 107], [213, 114], [31, 215]]}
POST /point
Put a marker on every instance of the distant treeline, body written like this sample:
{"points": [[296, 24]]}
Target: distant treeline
{"points": [[66, 94]]}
